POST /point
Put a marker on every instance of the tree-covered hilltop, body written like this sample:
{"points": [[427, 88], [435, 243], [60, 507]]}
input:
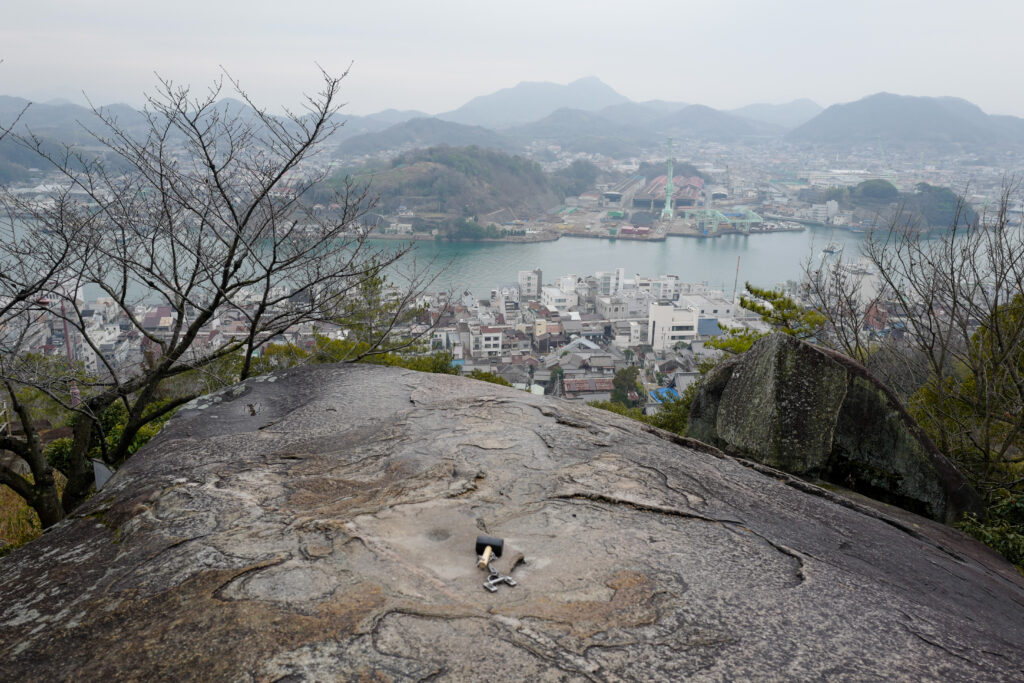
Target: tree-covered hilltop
{"points": [[680, 169], [576, 178], [442, 184], [937, 207], [927, 207], [420, 133]]}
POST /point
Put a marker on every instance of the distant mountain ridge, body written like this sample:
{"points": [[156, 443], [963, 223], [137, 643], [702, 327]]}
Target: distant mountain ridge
{"points": [[585, 115], [393, 116], [56, 124], [618, 131], [582, 131], [640, 113], [908, 119], [64, 119], [529, 101], [699, 121], [788, 115]]}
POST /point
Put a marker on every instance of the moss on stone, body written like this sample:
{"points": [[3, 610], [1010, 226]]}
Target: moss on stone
{"points": [[803, 410]]}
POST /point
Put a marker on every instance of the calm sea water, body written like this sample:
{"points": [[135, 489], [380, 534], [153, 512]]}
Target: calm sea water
{"points": [[765, 260]]}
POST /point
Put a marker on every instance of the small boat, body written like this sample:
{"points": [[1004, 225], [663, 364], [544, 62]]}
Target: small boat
{"points": [[862, 267], [832, 248]]}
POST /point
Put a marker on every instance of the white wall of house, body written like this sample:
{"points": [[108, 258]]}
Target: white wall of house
{"points": [[530, 283], [671, 323], [558, 299]]}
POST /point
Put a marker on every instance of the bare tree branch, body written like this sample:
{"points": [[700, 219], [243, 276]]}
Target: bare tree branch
{"points": [[201, 233]]}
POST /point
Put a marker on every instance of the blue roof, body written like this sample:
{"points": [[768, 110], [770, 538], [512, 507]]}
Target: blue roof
{"points": [[663, 394]]}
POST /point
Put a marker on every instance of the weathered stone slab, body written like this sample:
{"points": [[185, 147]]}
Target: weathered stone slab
{"points": [[330, 537], [820, 415], [782, 402]]}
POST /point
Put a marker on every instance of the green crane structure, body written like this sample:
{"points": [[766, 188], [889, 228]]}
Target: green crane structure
{"points": [[666, 213], [708, 221]]}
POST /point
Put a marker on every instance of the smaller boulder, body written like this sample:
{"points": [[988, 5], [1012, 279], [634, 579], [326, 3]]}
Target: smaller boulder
{"points": [[818, 414]]}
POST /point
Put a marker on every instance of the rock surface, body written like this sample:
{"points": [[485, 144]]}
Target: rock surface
{"points": [[329, 536], [819, 415]]}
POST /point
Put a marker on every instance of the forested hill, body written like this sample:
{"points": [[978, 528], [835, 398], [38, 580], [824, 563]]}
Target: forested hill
{"points": [[928, 207], [902, 120], [423, 132], [464, 181]]}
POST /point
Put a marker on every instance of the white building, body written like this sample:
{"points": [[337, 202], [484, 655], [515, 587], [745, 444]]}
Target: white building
{"points": [[610, 307], [822, 213], [567, 283], [627, 333], [697, 288], [663, 288], [558, 300], [846, 177], [484, 341], [628, 305], [687, 319], [671, 323], [708, 306], [530, 283], [610, 282], [505, 293]]}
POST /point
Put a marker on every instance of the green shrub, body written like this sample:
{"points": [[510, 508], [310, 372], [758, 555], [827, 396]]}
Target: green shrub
{"points": [[1002, 529], [484, 376], [672, 417]]}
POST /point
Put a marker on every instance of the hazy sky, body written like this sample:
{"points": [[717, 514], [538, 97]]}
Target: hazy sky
{"points": [[434, 55]]}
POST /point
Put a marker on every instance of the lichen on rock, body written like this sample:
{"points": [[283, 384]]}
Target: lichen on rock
{"points": [[817, 414]]}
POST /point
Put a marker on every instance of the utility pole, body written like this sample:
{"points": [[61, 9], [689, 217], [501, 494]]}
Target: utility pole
{"points": [[736, 282]]}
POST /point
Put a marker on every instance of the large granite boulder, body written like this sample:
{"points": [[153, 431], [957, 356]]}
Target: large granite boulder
{"points": [[818, 414], [320, 525]]}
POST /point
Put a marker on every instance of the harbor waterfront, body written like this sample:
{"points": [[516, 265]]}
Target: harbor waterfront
{"points": [[765, 259]]}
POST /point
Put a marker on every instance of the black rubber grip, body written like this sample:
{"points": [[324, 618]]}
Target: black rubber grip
{"points": [[497, 545]]}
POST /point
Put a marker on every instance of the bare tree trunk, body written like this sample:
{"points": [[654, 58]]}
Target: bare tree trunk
{"points": [[80, 472], [41, 492]]}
